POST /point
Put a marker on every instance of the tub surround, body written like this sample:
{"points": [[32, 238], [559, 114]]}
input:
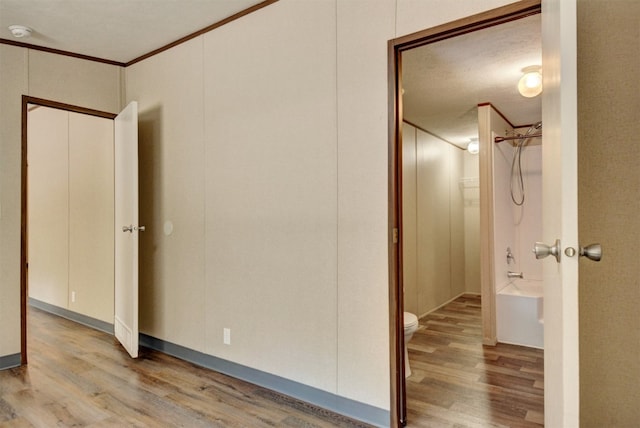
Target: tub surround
{"points": [[520, 319], [511, 231]]}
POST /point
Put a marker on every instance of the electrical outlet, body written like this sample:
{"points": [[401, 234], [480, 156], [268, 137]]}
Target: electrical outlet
{"points": [[73, 297], [226, 333]]}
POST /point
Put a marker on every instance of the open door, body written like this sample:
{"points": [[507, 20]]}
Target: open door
{"points": [[560, 213], [126, 228], [560, 208]]}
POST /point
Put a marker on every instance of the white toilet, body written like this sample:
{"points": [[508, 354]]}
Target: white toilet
{"points": [[410, 327]]}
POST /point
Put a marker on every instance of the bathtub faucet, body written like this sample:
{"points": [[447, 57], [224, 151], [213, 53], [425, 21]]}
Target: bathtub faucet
{"points": [[515, 275], [510, 257]]}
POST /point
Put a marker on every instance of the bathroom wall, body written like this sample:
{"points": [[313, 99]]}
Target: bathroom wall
{"points": [[470, 185], [433, 221], [71, 211], [528, 217], [516, 227], [409, 219]]}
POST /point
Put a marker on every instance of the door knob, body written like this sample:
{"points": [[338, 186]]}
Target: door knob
{"points": [[542, 250], [592, 252], [131, 228]]}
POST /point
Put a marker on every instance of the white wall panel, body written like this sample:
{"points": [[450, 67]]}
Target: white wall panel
{"points": [[529, 217], [90, 212], [364, 27], [70, 222], [48, 205], [270, 126], [503, 221], [434, 243], [471, 195], [433, 221], [169, 91], [417, 15], [13, 78], [456, 212], [409, 219], [74, 81]]}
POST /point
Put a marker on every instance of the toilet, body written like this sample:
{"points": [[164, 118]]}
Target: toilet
{"points": [[410, 327]]}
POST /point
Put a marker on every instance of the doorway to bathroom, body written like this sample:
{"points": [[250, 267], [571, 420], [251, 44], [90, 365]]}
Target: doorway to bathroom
{"points": [[444, 214]]}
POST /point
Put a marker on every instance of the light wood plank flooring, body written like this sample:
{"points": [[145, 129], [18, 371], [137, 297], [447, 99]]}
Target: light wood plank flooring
{"points": [[458, 382], [80, 377]]}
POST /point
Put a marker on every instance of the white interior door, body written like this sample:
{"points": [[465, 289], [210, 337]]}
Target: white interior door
{"points": [[560, 212], [127, 229]]}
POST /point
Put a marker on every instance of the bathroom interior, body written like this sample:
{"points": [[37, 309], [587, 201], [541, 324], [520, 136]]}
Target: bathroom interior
{"points": [[472, 150]]}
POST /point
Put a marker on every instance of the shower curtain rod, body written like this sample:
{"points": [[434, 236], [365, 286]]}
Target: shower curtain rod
{"points": [[517, 137]]}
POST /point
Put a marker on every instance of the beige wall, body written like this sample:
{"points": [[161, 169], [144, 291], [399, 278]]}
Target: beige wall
{"points": [[471, 200], [43, 75], [91, 216], [609, 186], [266, 147], [71, 211], [608, 366], [433, 221], [306, 82], [13, 78], [48, 212], [410, 219]]}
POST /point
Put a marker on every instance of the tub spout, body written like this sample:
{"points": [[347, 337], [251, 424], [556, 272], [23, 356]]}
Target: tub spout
{"points": [[515, 275]]}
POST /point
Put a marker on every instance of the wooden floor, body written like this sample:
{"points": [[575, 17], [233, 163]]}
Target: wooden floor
{"points": [[77, 376], [457, 382]]}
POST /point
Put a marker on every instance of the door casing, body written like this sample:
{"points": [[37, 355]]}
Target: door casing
{"points": [[395, 47]]}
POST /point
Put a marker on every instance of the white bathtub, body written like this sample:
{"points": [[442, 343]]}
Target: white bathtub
{"points": [[519, 305]]}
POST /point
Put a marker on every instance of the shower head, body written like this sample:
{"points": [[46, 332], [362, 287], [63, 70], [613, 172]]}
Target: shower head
{"points": [[533, 128]]}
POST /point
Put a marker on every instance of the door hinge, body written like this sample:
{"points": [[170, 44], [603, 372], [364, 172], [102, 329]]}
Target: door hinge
{"points": [[395, 235]]}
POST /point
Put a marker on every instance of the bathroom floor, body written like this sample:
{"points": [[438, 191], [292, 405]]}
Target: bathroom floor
{"points": [[456, 381]]}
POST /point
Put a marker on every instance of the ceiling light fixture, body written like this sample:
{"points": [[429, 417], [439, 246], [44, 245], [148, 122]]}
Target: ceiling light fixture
{"points": [[474, 146], [530, 84], [20, 31]]}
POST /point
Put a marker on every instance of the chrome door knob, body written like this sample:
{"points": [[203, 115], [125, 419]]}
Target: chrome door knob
{"points": [[592, 252], [542, 250]]}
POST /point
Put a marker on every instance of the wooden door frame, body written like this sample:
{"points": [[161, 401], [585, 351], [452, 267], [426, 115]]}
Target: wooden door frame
{"points": [[395, 47], [24, 230]]}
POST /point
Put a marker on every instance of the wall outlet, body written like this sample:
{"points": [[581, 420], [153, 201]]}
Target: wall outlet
{"points": [[73, 297], [226, 336]]}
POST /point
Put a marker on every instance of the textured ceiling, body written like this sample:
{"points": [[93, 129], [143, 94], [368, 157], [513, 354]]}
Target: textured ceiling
{"points": [[445, 81], [116, 30]]}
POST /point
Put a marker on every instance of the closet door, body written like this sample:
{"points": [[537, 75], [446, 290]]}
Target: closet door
{"points": [[126, 228]]}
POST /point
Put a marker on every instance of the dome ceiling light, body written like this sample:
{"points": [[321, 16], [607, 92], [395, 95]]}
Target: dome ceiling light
{"points": [[20, 31], [530, 84], [473, 147]]}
